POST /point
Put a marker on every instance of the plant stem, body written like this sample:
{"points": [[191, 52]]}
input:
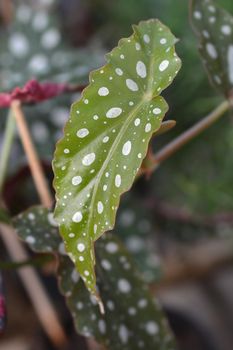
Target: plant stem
{"points": [[6, 8], [6, 148], [33, 159], [188, 135]]}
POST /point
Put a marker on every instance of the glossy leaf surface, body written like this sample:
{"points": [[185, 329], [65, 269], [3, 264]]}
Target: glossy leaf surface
{"points": [[132, 319], [214, 28], [107, 136]]}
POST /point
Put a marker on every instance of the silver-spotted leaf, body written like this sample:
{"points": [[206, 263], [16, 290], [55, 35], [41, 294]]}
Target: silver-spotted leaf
{"points": [[135, 227], [214, 28], [36, 226], [32, 46], [132, 319], [107, 136]]}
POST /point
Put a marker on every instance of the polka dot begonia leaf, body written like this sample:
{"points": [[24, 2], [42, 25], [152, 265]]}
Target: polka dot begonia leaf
{"points": [[32, 46], [132, 319], [135, 227], [214, 28], [38, 229], [107, 136]]}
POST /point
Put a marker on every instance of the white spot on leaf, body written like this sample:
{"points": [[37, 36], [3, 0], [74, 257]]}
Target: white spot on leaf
{"points": [[123, 334], [197, 15], [230, 62], [106, 264], [50, 39], [76, 180], [157, 111], [113, 112], [126, 149], [152, 328], [105, 139], [211, 50], [102, 326], [141, 69], [119, 71], [148, 127], [131, 85], [111, 247], [81, 247], [226, 29], [103, 91], [163, 41], [146, 38], [18, 45], [100, 207], [77, 217], [137, 122], [163, 65], [88, 159], [30, 240], [124, 285], [82, 133], [118, 180]]}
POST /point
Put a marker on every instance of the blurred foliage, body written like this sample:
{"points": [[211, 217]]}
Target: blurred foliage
{"points": [[32, 47], [202, 185], [132, 319]]}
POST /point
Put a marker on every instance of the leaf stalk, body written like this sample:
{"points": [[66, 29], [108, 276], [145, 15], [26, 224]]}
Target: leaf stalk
{"points": [[6, 148]]}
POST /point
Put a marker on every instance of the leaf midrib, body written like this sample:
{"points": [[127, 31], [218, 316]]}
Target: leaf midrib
{"points": [[118, 138]]}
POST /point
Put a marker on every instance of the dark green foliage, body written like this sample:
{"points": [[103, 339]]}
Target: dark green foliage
{"points": [[132, 320]]}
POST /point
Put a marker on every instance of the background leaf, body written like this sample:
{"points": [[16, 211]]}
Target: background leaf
{"points": [[214, 28], [135, 227], [33, 47], [32, 22], [107, 138], [132, 319], [38, 229]]}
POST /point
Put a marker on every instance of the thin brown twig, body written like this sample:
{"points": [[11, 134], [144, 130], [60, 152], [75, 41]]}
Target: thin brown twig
{"points": [[6, 9], [34, 163]]}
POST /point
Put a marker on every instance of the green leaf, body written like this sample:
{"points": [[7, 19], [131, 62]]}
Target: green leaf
{"points": [[36, 262], [135, 226], [4, 216], [132, 320], [107, 136], [36, 226], [214, 28]]}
